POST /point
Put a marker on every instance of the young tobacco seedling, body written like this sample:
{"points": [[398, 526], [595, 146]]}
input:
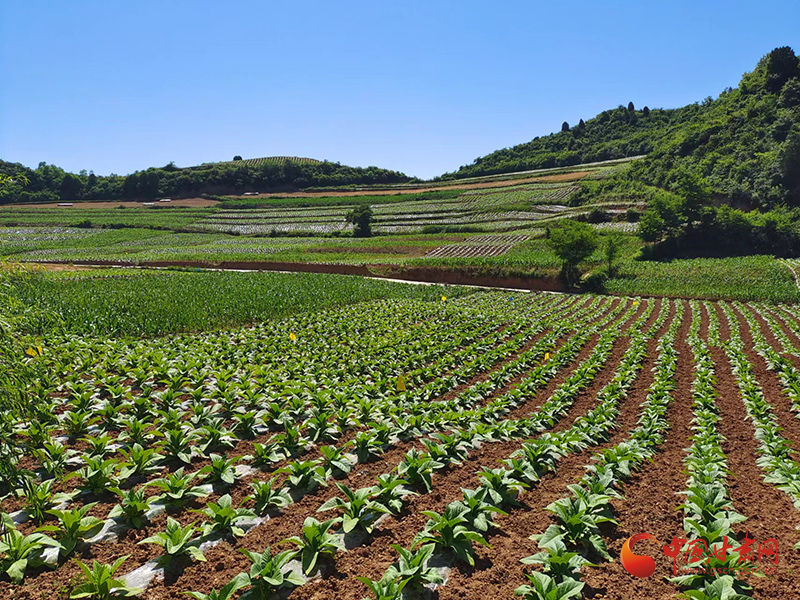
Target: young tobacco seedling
{"points": [[545, 587], [224, 518], [416, 468], [268, 496], [133, 506], [176, 542], [359, 508], [39, 498], [385, 588], [99, 583], [268, 574], [74, 526], [449, 533], [18, 552], [316, 541], [226, 592], [221, 469], [177, 489], [412, 566]]}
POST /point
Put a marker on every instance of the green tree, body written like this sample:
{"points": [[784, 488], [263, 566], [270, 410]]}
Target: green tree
{"points": [[611, 250], [565, 126], [790, 94], [789, 160], [662, 218], [237, 157], [130, 189], [148, 184], [781, 66], [70, 187], [361, 218], [573, 242], [694, 191]]}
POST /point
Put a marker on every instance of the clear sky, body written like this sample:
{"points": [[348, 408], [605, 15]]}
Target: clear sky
{"points": [[418, 86]]}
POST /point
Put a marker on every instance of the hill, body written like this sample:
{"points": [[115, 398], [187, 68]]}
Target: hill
{"points": [[746, 142], [253, 162], [50, 183]]}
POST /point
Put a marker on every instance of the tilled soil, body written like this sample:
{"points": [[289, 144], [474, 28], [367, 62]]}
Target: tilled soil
{"points": [[650, 503]]}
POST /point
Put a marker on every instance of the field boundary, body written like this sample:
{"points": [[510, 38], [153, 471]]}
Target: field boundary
{"points": [[430, 275]]}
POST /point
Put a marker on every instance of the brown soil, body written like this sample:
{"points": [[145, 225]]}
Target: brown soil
{"points": [[771, 386], [649, 505], [769, 512], [446, 486], [372, 560], [422, 274], [651, 498], [498, 570]]}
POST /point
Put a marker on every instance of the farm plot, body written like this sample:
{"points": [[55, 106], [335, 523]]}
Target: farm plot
{"points": [[541, 193], [482, 245], [487, 209], [353, 452]]}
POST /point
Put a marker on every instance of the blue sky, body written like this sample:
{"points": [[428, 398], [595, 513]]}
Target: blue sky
{"points": [[421, 87]]}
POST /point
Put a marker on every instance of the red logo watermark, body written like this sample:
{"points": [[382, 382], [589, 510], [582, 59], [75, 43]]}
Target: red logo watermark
{"points": [[761, 558]]}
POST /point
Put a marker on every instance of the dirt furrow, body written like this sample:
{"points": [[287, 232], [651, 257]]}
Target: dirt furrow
{"points": [[371, 561], [498, 571], [290, 521], [769, 512], [771, 386]]}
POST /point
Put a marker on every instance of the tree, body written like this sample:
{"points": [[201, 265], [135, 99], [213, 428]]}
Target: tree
{"points": [[361, 218], [573, 242], [631, 108], [781, 66], [148, 184], [790, 94], [237, 157], [611, 251], [646, 111], [70, 187], [130, 188], [789, 160], [662, 218], [694, 191], [565, 126]]}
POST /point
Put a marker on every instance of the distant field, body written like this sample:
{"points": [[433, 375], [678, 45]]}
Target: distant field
{"points": [[493, 231]]}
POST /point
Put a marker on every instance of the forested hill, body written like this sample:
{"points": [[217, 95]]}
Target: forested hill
{"points": [[48, 182], [746, 142]]}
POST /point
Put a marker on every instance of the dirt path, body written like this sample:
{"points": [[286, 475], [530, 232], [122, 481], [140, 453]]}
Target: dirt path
{"points": [[424, 275]]}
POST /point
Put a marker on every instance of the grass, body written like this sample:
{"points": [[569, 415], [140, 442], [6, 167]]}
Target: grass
{"points": [[742, 278], [156, 303]]}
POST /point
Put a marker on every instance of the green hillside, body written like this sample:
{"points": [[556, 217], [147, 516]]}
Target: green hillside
{"points": [[746, 142]]}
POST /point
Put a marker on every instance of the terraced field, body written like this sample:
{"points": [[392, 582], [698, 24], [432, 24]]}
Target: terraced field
{"points": [[460, 437]]}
